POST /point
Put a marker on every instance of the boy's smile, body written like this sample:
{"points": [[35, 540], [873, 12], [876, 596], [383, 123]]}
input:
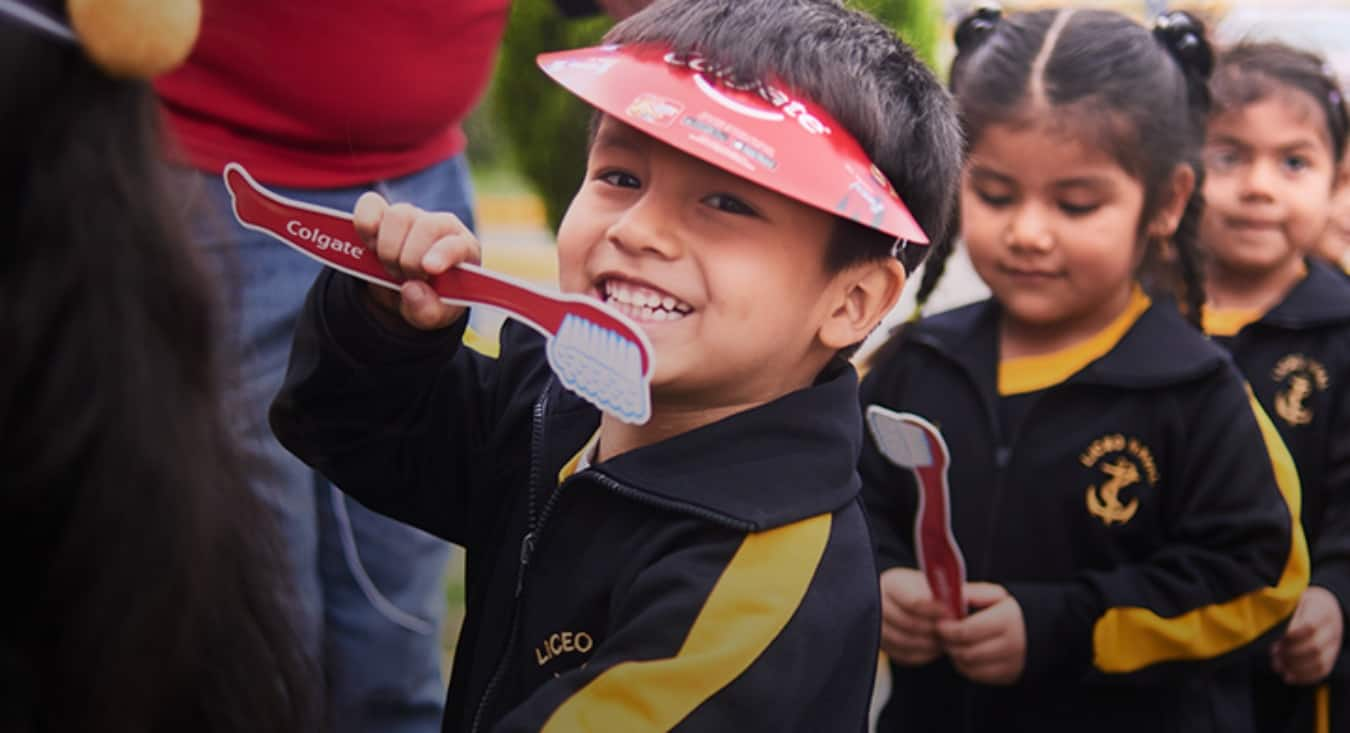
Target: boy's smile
{"points": [[724, 276]]}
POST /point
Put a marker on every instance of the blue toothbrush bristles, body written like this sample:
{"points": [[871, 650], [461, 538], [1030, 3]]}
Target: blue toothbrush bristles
{"points": [[602, 367]]}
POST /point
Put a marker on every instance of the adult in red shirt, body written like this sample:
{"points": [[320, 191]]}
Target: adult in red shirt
{"points": [[298, 92]]}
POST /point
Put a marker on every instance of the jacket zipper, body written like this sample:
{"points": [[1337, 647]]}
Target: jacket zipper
{"points": [[526, 550]]}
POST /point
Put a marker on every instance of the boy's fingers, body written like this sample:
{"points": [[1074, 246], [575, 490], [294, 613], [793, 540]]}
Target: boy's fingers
{"points": [[421, 308], [367, 214], [449, 251], [428, 232], [394, 228]]}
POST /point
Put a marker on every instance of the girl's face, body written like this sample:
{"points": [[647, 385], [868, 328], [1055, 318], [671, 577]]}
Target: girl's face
{"points": [[1270, 179], [1052, 226]]}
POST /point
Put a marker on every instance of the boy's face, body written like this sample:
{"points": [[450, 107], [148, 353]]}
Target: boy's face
{"points": [[1270, 176], [726, 278]]}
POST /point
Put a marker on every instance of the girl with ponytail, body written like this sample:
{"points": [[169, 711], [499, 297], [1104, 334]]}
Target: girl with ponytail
{"points": [[143, 576], [1127, 514]]}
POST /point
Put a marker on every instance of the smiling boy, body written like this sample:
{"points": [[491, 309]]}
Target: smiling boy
{"points": [[711, 568]]}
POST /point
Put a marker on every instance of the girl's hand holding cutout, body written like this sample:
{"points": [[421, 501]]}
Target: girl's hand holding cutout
{"points": [[990, 645], [414, 245], [1310, 645], [909, 618]]}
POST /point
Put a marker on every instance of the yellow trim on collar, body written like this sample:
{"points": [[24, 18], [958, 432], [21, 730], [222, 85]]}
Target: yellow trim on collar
{"points": [[1227, 321], [574, 464], [489, 347], [1034, 373]]}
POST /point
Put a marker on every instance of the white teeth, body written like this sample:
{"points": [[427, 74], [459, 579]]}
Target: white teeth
{"points": [[644, 302]]}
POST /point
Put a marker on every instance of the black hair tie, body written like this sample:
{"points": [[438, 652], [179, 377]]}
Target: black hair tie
{"points": [[1184, 37], [979, 25]]}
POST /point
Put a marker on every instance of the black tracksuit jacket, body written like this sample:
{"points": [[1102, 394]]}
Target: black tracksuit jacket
{"points": [[721, 580], [1137, 626], [1297, 359]]}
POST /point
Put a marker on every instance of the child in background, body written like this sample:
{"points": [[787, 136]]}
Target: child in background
{"points": [[1127, 512], [1334, 245], [709, 570], [1277, 138], [142, 591]]}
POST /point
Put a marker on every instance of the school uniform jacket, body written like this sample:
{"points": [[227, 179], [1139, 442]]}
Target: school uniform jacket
{"points": [[1143, 514], [721, 580], [1297, 359]]}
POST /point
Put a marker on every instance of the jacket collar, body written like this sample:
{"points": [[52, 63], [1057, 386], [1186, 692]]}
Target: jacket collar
{"points": [[1321, 298], [781, 462], [969, 336]]}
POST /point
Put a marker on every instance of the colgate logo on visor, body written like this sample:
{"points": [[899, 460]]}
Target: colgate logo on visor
{"points": [[323, 241], [787, 106]]}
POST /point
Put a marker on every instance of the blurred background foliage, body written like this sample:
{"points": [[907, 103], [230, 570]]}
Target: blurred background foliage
{"points": [[528, 129]]}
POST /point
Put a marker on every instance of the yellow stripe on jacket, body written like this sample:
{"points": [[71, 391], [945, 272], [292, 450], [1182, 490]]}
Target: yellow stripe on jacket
{"points": [[1129, 639], [758, 592]]}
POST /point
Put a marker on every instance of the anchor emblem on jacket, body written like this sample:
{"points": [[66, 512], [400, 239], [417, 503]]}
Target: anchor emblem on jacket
{"points": [[1104, 503], [1289, 404]]}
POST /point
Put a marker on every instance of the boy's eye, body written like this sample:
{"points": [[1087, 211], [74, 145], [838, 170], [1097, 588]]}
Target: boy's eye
{"points": [[729, 204], [621, 179]]}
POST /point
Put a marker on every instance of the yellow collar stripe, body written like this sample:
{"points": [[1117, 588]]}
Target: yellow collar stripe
{"points": [[1128, 639], [489, 347], [757, 594], [574, 464], [1034, 373], [1228, 321]]}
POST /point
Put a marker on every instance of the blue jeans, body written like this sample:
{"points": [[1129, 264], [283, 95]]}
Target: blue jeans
{"points": [[371, 590]]}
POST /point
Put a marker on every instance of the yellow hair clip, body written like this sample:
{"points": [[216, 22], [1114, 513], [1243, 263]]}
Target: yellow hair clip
{"points": [[136, 39]]}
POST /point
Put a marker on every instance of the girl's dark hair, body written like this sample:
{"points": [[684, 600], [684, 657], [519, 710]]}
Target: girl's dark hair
{"points": [[1252, 71], [1141, 95], [145, 586]]}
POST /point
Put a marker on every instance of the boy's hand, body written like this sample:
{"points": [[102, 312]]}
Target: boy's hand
{"points": [[1310, 645], [990, 645], [414, 245], [909, 617]]}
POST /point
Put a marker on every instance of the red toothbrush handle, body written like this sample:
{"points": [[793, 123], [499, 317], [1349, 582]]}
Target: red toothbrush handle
{"points": [[330, 236]]}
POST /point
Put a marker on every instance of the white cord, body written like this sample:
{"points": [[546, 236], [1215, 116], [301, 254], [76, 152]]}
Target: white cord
{"points": [[386, 608], [37, 19]]}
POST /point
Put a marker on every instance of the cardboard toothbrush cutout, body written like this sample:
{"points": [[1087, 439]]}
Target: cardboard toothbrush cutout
{"points": [[911, 442], [596, 351]]}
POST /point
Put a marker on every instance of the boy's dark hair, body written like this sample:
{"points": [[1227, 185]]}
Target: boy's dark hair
{"points": [[854, 68], [148, 591], [1140, 95], [1252, 71]]}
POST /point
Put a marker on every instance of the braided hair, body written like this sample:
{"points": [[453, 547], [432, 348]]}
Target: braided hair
{"points": [[1143, 96]]}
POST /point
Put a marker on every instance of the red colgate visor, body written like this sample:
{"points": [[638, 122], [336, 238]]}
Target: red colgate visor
{"points": [[754, 130]]}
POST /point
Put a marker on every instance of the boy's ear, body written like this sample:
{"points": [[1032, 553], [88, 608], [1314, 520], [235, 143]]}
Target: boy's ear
{"points": [[866, 293], [1342, 175], [1168, 216]]}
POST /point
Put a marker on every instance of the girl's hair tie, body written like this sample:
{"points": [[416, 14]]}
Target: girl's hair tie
{"points": [[979, 25], [1184, 37]]}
